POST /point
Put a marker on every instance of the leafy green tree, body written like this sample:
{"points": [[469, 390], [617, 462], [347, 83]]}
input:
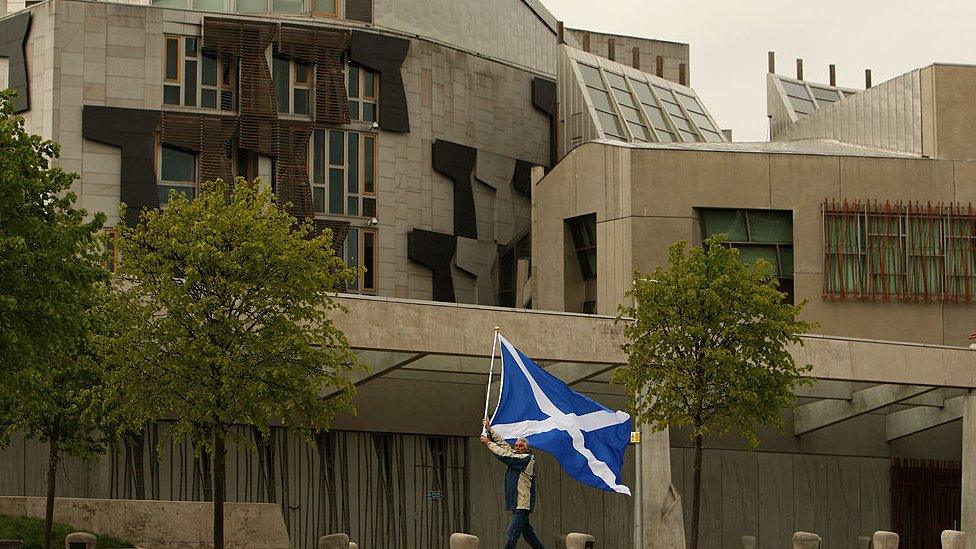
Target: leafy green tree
{"points": [[52, 275], [228, 306], [709, 348]]}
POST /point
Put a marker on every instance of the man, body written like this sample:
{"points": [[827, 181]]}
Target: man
{"points": [[519, 485]]}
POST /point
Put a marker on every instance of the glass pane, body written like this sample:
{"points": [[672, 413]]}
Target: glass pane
{"points": [[656, 117], [688, 137], [212, 5], [280, 73], [368, 168], [643, 91], [190, 46], [615, 80], [611, 124], [301, 73], [318, 157], [730, 222], [751, 254], [369, 84], [601, 100], [178, 4], [171, 95], [770, 226], [164, 192], [172, 59], [208, 70], [289, 6], [674, 109], [823, 94], [325, 6], [786, 261], [369, 260], [713, 137], [208, 99], [353, 110], [624, 98], [369, 207], [352, 82], [639, 132], [630, 114], [252, 6], [352, 207], [336, 193], [802, 106], [190, 86], [351, 249], [336, 147], [177, 165], [591, 75], [690, 103], [369, 112], [353, 165], [665, 136], [794, 89], [702, 121], [301, 101], [318, 199]]}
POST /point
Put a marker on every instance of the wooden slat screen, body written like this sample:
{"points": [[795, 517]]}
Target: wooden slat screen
{"points": [[323, 48], [206, 134], [359, 10], [248, 41], [291, 167]]}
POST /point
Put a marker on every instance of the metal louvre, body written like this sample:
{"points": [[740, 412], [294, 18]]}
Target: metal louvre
{"points": [[291, 167], [360, 10], [324, 48], [247, 40], [206, 134]]}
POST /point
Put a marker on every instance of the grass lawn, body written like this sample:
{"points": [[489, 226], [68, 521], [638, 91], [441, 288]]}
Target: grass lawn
{"points": [[31, 531]]}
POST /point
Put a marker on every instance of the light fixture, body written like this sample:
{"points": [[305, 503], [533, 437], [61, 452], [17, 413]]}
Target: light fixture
{"points": [[375, 126], [374, 222]]}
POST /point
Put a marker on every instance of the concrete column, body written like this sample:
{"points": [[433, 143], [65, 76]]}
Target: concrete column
{"points": [[884, 540], [748, 542], [464, 541], [353, 545], [334, 541], [952, 539], [580, 541], [968, 495], [806, 540], [661, 515]]}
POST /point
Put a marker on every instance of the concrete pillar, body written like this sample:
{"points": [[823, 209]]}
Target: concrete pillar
{"points": [[464, 541], [969, 469], [952, 539], [661, 515], [580, 541], [806, 540], [353, 545], [79, 540], [334, 541], [884, 540], [748, 542]]}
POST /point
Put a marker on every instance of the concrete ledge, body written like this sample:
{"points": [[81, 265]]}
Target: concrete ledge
{"points": [[162, 524]]}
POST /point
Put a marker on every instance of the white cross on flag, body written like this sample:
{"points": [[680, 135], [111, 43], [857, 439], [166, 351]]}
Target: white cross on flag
{"points": [[586, 438]]}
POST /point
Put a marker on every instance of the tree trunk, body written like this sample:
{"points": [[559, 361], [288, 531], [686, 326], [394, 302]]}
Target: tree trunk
{"points": [[696, 502], [218, 495], [52, 470]]}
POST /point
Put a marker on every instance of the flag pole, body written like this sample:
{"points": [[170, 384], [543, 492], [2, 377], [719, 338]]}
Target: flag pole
{"points": [[491, 368]]}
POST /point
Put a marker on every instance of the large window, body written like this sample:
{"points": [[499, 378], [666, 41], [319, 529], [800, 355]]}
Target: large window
{"points": [[362, 86], [597, 90], [670, 103], [177, 172], [925, 253], [293, 86], [360, 250], [196, 77], [344, 172], [583, 229], [757, 234]]}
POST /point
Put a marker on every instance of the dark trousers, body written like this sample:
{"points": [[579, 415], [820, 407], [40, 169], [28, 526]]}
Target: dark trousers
{"points": [[520, 527]]}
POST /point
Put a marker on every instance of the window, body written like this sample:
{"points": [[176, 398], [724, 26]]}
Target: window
{"points": [[344, 173], [360, 251], [329, 8], [925, 253], [583, 229], [609, 121], [195, 77], [629, 108], [757, 234], [685, 130], [799, 97], [292, 85], [825, 96], [655, 114], [362, 86], [520, 249], [177, 172], [700, 118]]}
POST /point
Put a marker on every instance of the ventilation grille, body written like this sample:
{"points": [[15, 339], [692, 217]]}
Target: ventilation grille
{"points": [[360, 10]]}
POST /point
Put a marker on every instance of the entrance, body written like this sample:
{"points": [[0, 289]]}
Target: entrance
{"points": [[925, 500]]}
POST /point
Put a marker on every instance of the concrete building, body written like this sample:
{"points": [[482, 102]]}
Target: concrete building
{"points": [[489, 167]]}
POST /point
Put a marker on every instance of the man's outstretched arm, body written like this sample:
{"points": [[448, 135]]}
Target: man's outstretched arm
{"points": [[502, 449]]}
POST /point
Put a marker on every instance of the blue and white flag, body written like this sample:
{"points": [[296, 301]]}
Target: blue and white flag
{"points": [[587, 438]]}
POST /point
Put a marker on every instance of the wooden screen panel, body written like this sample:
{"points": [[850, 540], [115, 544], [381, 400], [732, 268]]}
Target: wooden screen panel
{"points": [[323, 48], [291, 168], [206, 134], [248, 41]]}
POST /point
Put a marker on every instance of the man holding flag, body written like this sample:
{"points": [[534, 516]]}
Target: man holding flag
{"points": [[535, 407]]}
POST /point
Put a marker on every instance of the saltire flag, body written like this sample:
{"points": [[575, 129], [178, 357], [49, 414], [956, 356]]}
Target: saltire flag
{"points": [[586, 438]]}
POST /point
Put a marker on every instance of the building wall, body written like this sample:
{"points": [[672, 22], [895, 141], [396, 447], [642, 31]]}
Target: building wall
{"points": [[954, 116]]}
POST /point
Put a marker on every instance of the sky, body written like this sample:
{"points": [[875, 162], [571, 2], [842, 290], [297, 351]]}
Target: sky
{"points": [[730, 40]]}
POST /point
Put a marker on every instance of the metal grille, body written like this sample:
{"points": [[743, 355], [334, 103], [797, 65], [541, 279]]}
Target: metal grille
{"points": [[359, 10], [324, 48], [925, 500]]}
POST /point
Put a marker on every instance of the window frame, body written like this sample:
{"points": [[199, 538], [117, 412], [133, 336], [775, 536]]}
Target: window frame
{"points": [[361, 97], [294, 85], [175, 184], [359, 233], [362, 197], [223, 65]]}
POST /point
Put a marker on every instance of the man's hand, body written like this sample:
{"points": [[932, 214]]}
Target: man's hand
{"points": [[484, 439], [486, 423]]}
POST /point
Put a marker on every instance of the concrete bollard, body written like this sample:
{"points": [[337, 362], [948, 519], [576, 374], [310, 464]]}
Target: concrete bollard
{"points": [[353, 545], [748, 542], [863, 542], [11, 544], [806, 540], [884, 540], [464, 541], [953, 539], [334, 541], [580, 541], [79, 540]]}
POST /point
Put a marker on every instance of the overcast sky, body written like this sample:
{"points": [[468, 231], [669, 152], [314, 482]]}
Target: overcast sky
{"points": [[729, 40]]}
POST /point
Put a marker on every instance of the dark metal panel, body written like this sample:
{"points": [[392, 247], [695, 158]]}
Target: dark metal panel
{"points": [[436, 252], [522, 177], [13, 40], [457, 162], [385, 54], [132, 130], [544, 95]]}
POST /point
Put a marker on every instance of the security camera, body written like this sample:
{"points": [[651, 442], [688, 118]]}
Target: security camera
{"points": [[375, 126], [374, 222]]}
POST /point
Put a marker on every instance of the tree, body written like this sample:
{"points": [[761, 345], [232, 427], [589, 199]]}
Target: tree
{"points": [[52, 275], [708, 348], [228, 305]]}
